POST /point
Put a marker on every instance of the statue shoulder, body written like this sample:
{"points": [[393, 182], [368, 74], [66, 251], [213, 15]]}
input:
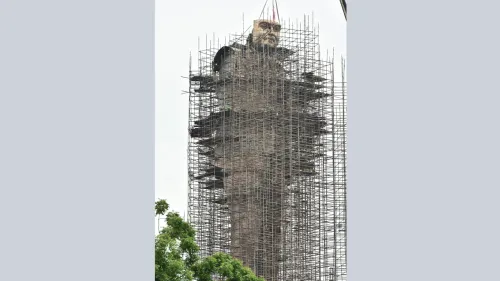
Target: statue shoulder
{"points": [[224, 53]]}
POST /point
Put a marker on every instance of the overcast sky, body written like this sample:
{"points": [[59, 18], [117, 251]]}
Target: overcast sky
{"points": [[178, 27]]}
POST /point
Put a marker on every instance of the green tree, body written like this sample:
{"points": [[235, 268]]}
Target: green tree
{"points": [[176, 254]]}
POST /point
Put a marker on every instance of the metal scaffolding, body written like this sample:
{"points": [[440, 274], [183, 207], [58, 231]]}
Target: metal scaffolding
{"points": [[267, 156]]}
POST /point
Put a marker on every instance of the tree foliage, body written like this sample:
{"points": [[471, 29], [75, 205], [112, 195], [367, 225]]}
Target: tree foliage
{"points": [[176, 254], [224, 266], [175, 249]]}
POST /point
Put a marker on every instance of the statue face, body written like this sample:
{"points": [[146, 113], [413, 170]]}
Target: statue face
{"points": [[266, 32]]}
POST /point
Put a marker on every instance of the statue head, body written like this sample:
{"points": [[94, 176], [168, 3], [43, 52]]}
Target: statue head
{"points": [[266, 32]]}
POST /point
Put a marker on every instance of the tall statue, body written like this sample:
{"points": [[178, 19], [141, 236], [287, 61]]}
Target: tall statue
{"points": [[249, 74], [261, 139]]}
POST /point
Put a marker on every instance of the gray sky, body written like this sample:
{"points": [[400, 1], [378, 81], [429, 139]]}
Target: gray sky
{"points": [[177, 29]]}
